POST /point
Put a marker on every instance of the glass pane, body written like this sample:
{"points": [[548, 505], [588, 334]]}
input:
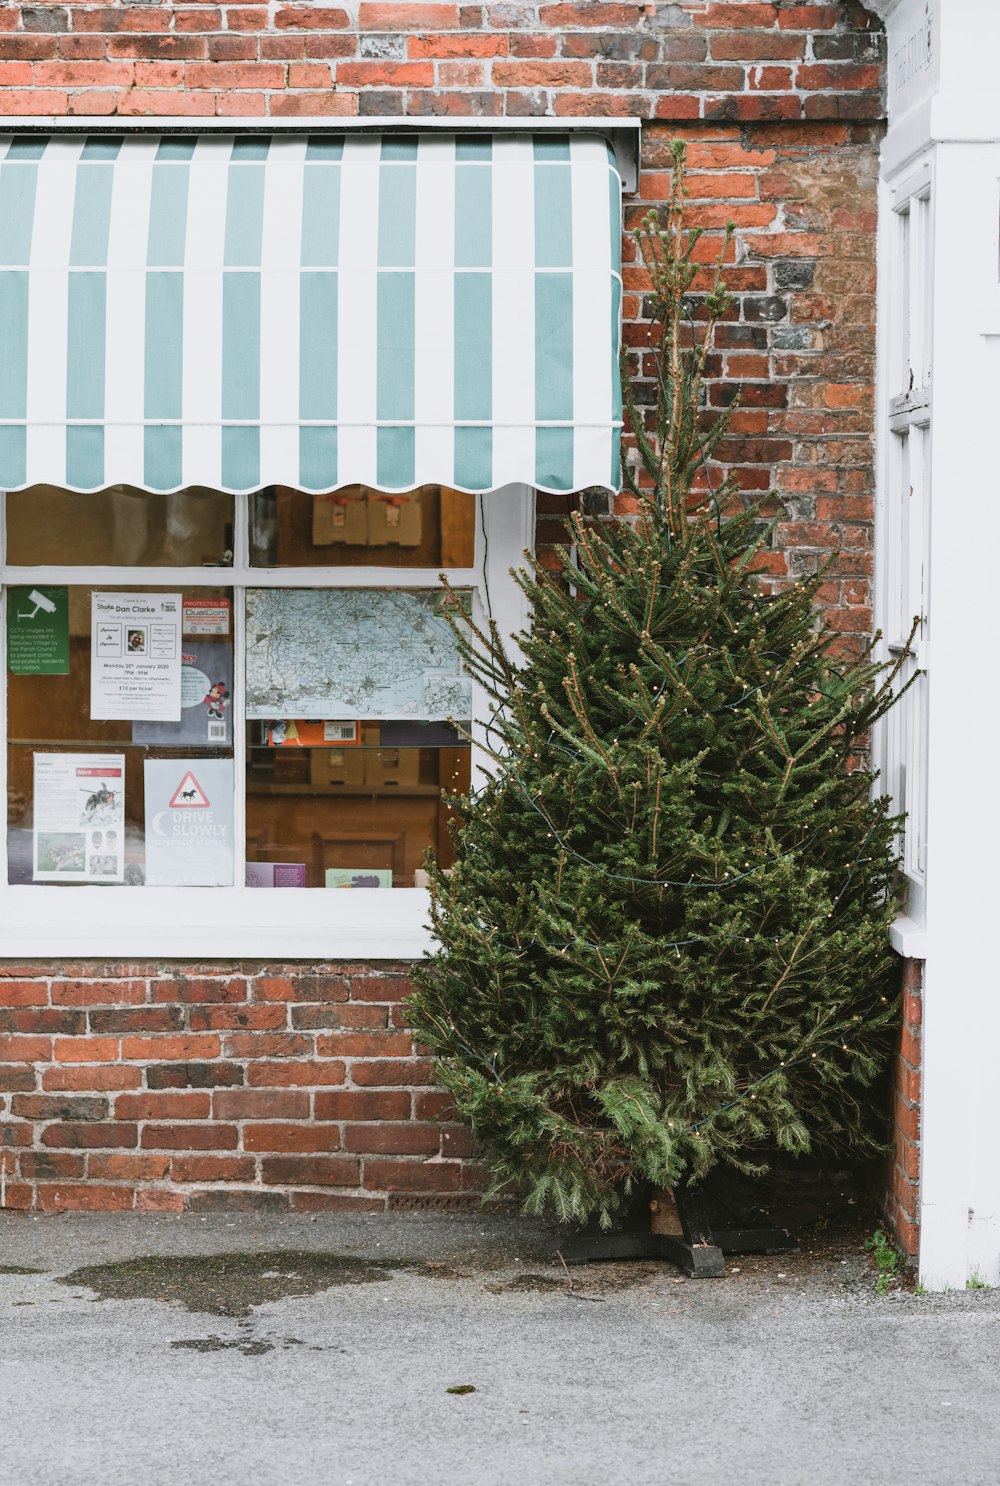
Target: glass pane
{"points": [[329, 806], [83, 784], [352, 700], [433, 527], [119, 527]]}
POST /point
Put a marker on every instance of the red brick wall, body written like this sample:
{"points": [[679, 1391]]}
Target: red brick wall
{"points": [[689, 60], [246, 1086], [903, 1165], [165, 1085]]}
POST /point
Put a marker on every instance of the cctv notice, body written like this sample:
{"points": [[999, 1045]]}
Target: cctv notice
{"points": [[38, 631], [135, 657], [79, 817]]}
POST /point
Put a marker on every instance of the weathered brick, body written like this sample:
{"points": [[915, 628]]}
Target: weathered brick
{"points": [[86, 1136], [194, 1076], [355, 1104], [311, 1171], [51, 1107], [192, 1137]]}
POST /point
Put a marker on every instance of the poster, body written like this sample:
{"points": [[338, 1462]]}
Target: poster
{"points": [[206, 698], [189, 822], [38, 631], [78, 832], [204, 616], [135, 656]]}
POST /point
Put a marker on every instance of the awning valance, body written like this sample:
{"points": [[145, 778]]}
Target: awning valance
{"points": [[313, 311]]}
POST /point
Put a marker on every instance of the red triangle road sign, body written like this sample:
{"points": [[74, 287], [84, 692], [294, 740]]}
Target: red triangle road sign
{"points": [[189, 795]]}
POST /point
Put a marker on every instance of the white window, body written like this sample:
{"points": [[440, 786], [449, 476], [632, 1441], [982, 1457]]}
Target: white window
{"points": [[903, 553], [313, 744]]}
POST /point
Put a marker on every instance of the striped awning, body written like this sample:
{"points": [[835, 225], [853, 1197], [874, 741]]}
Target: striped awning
{"points": [[313, 311]]}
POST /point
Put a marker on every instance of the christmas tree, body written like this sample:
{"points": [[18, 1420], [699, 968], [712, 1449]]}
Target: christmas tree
{"points": [[664, 941]]}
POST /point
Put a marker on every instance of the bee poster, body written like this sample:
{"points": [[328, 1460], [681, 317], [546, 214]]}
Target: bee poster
{"points": [[78, 831]]}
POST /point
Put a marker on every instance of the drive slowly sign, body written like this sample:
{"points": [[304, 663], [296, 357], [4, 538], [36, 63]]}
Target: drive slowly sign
{"points": [[189, 822]]}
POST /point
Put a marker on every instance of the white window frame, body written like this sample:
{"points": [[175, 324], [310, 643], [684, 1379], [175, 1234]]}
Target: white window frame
{"points": [[111, 921], [902, 548]]}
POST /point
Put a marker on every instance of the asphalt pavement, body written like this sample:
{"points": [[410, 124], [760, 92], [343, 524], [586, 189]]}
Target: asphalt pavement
{"points": [[166, 1351]]}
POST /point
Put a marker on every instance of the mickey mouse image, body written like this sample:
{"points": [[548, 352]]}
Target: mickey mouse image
{"points": [[216, 699]]}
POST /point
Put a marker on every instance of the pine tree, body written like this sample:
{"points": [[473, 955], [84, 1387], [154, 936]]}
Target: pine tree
{"points": [[664, 941]]}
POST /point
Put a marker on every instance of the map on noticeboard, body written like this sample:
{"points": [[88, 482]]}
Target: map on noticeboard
{"points": [[362, 653]]}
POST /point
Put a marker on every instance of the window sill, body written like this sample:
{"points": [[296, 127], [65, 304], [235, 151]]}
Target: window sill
{"points": [[908, 938], [223, 924]]}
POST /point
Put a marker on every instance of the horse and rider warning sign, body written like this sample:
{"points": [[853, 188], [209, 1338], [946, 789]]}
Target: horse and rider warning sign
{"points": [[189, 795]]}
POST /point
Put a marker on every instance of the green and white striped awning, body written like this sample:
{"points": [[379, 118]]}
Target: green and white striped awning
{"points": [[313, 311]]}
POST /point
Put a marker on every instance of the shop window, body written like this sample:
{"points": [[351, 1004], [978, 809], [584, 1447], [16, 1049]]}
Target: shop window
{"points": [[240, 693]]}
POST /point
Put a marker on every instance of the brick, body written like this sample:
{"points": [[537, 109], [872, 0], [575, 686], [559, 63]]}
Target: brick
{"points": [[23, 992], [51, 1107], [396, 1140], [590, 13], [13, 1133], [456, 47], [102, 1166], [25, 1049], [213, 1169], [98, 992], [743, 14], [334, 1202], [86, 1049], [268, 1045], [392, 1071], [194, 1137], [52, 1166], [310, 105], [91, 1076], [170, 1049], [83, 74], [809, 17], [159, 1200], [43, 1021], [256, 1104], [218, 1200], [278, 1075], [87, 1136], [431, 1104], [156, 101], [385, 74], [194, 990], [234, 75], [353, 1104], [560, 74], [311, 1171], [278, 1135], [456, 1142], [409, 17], [232, 1018], [306, 17], [326, 1018], [412, 1176], [194, 1076], [364, 1045], [301, 988], [137, 1019], [167, 1106], [16, 1078]]}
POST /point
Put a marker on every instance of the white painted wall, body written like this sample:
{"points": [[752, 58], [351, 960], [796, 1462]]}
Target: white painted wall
{"points": [[946, 115]]}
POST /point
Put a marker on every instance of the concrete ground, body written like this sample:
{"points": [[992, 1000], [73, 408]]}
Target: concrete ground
{"points": [[322, 1350]]}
